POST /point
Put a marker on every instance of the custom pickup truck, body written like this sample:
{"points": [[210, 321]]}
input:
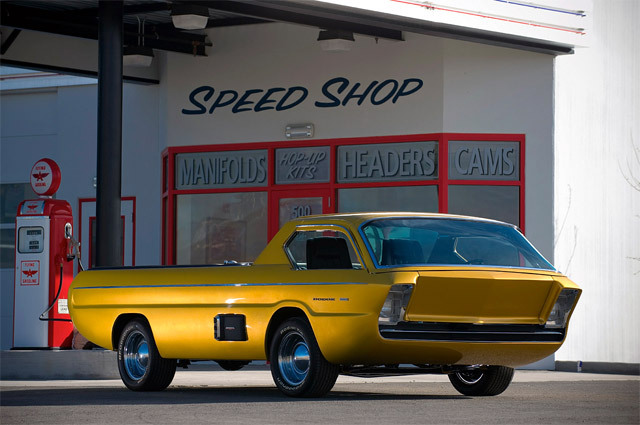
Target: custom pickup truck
{"points": [[368, 294]]}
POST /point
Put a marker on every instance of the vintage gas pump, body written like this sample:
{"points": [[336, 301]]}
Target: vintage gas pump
{"points": [[44, 266]]}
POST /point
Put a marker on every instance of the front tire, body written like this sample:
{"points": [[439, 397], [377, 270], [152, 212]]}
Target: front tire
{"points": [[140, 365], [489, 381], [298, 367]]}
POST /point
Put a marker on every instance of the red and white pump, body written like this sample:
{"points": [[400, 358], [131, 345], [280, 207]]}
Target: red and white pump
{"points": [[44, 252]]}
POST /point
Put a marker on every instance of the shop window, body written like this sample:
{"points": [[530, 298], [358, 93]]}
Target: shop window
{"points": [[402, 198], [496, 202], [10, 197], [214, 227], [224, 202]]}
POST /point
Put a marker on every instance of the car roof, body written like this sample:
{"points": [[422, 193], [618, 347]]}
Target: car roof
{"points": [[355, 219]]}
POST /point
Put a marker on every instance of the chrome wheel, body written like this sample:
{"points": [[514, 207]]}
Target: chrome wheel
{"points": [[136, 355], [294, 358], [470, 377], [297, 365], [488, 381], [141, 366]]}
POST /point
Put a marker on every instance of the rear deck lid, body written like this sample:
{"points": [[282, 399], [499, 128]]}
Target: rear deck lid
{"points": [[479, 296]]}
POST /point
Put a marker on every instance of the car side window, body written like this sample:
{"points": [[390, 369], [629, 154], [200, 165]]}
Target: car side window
{"points": [[322, 249]]}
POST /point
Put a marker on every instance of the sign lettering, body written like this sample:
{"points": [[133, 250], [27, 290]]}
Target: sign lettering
{"points": [[336, 92], [382, 162], [484, 160], [221, 169], [302, 165]]}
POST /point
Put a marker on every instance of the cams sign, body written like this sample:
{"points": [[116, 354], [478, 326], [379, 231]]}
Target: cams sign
{"points": [[484, 160], [336, 92]]}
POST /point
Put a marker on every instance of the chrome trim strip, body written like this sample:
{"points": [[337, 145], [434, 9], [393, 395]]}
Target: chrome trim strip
{"points": [[200, 285]]}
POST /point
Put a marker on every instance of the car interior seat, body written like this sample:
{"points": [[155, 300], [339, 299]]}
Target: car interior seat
{"points": [[401, 251], [328, 253]]}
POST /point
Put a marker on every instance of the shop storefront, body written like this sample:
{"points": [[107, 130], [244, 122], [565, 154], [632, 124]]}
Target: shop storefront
{"points": [[224, 202]]}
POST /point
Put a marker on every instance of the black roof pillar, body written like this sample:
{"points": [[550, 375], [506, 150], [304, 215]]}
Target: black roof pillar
{"points": [[108, 222]]}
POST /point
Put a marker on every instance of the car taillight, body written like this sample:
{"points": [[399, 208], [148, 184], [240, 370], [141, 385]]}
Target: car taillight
{"points": [[562, 308], [395, 305]]}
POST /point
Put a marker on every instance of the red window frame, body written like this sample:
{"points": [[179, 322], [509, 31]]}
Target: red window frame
{"points": [[169, 192]]}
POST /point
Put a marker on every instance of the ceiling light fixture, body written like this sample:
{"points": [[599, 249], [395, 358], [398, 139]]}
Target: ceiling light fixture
{"points": [[138, 56], [335, 40], [189, 16]]}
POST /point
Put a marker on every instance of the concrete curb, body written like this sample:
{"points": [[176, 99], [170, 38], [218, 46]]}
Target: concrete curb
{"points": [[58, 364], [599, 367]]}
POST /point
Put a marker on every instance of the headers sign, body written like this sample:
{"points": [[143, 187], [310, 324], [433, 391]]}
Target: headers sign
{"points": [[484, 160], [336, 92], [209, 170], [387, 162]]}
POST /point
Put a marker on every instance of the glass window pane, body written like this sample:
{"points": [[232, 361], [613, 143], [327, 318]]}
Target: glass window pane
{"points": [[291, 208], [326, 251], [7, 247], [496, 202], [11, 195], [214, 227], [440, 241], [397, 198]]}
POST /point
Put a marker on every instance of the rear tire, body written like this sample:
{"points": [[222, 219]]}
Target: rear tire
{"points": [[482, 382], [298, 367], [140, 365]]}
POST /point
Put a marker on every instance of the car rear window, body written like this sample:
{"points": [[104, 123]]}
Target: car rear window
{"points": [[447, 241]]}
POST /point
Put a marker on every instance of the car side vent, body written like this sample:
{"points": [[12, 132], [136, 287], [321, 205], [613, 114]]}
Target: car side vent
{"points": [[230, 327]]}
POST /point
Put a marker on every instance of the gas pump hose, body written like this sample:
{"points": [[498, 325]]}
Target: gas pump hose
{"points": [[43, 316]]}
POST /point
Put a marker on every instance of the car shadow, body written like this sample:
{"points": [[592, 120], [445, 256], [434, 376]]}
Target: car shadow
{"points": [[185, 395]]}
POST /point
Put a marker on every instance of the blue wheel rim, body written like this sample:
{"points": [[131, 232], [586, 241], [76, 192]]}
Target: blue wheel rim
{"points": [[294, 359], [136, 355]]}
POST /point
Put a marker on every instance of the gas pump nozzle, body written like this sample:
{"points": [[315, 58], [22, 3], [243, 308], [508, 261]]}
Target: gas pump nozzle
{"points": [[73, 246]]}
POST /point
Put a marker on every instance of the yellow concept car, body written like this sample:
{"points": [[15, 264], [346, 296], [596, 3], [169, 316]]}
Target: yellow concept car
{"points": [[357, 294]]}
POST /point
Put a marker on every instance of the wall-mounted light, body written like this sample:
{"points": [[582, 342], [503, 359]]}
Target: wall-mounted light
{"points": [[335, 40], [189, 16], [140, 55], [298, 131], [137, 56]]}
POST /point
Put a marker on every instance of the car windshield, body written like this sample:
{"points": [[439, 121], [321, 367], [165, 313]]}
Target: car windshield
{"points": [[440, 241]]}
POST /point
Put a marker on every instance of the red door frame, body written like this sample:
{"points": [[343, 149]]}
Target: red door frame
{"points": [[133, 228], [169, 192], [302, 192]]}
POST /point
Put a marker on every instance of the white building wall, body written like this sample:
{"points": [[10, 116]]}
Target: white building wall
{"points": [[597, 185], [285, 55], [61, 123], [495, 90]]}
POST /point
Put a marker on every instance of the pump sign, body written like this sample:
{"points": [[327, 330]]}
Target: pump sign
{"points": [[30, 272], [45, 177]]}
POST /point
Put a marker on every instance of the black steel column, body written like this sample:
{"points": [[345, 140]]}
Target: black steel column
{"points": [[108, 222]]}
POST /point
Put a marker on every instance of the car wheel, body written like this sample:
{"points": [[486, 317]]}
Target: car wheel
{"points": [[298, 367], [139, 363], [482, 382]]}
